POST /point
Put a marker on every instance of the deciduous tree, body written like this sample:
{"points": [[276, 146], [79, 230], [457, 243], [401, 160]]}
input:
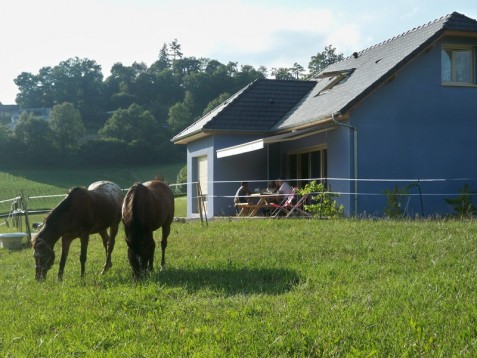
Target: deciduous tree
{"points": [[67, 125], [323, 59], [130, 124]]}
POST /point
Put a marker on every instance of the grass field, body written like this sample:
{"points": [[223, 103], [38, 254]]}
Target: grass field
{"points": [[40, 183], [258, 288]]}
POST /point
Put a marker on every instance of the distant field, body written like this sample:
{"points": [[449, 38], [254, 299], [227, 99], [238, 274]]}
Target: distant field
{"points": [[38, 183]]}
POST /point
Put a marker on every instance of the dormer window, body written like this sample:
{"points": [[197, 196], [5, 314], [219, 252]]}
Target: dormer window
{"points": [[334, 78], [458, 65]]}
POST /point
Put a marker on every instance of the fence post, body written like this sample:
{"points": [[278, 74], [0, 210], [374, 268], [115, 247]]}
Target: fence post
{"points": [[201, 205], [24, 205]]}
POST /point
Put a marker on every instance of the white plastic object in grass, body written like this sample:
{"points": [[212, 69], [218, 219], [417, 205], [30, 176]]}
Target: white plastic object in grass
{"points": [[12, 240]]}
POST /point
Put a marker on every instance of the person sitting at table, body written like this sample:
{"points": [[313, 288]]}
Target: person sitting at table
{"points": [[272, 187], [283, 187], [241, 196], [271, 191]]}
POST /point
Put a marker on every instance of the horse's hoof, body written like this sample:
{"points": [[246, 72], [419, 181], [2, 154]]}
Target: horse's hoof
{"points": [[106, 268]]}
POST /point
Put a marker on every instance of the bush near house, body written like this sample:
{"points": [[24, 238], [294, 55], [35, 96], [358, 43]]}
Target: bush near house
{"points": [[322, 203]]}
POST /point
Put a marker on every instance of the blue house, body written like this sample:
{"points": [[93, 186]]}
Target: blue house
{"points": [[399, 116]]}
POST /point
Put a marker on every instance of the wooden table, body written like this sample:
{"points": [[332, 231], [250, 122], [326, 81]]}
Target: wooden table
{"points": [[253, 205]]}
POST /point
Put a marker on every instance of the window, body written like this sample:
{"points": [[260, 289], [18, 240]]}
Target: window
{"points": [[306, 165], [334, 78], [458, 65]]}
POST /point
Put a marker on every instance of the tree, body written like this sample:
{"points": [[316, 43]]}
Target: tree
{"points": [[175, 48], [163, 62], [323, 59], [297, 70], [215, 102], [186, 65], [282, 73], [32, 89], [35, 138], [67, 125], [179, 117], [77, 81], [130, 125]]}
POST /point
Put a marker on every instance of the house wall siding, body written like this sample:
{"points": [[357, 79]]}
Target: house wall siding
{"points": [[196, 149], [230, 171], [415, 128]]}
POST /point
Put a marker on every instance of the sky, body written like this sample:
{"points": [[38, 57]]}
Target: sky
{"points": [[270, 33]]}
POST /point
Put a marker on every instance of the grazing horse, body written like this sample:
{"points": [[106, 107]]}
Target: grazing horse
{"points": [[146, 208], [81, 213]]}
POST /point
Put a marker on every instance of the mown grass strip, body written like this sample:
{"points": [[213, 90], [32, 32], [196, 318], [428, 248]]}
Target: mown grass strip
{"points": [[257, 288]]}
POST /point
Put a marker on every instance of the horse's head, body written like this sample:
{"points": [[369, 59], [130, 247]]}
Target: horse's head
{"points": [[44, 257]]}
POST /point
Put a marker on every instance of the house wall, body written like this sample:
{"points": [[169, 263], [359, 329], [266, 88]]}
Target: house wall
{"points": [[224, 174], [196, 149], [414, 128], [339, 142], [230, 171]]}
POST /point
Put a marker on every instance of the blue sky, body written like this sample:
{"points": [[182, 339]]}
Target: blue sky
{"points": [[272, 33]]}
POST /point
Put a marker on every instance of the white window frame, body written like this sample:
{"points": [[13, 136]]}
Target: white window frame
{"points": [[454, 50]]}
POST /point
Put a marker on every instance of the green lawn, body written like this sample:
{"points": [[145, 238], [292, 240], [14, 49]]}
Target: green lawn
{"points": [[256, 288], [39, 184], [62, 178]]}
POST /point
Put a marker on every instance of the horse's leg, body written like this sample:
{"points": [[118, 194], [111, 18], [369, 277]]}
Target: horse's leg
{"points": [[150, 254], [166, 229], [108, 243], [113, 231], [84, 250], [65, 248]]}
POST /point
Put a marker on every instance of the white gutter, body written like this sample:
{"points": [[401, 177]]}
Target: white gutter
{"points": [[355, 157]]}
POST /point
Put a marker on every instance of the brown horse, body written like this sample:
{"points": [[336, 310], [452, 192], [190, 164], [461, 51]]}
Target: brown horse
{"points": [[81, 213], [146, 208]]}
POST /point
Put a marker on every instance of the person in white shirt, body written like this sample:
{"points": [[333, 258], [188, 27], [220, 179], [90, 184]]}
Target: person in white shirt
{"points": [[284, 187]]}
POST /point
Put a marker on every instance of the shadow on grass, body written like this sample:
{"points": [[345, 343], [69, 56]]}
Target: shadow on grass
{"points": [[230, 281]]}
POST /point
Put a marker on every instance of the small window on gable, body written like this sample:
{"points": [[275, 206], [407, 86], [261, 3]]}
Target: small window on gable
{"points": [[458, 65]]}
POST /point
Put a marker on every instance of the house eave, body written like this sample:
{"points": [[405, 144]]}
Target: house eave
{"points": [[206, 133], [282, 137]]}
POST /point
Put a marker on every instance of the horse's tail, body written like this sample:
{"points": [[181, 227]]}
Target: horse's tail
{"points": [[132, 213]]}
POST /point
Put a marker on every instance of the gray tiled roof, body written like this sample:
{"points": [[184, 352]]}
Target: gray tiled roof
{"points": [[370, 68], [256, 108], [303, 103]]}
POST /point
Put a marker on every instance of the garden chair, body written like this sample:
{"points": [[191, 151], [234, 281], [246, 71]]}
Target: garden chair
{"points": [[282, 208], [288, 207]]}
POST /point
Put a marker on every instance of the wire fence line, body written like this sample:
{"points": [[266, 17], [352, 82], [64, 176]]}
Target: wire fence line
{"points": [[301, 182], [39, 202], [180, 188]]}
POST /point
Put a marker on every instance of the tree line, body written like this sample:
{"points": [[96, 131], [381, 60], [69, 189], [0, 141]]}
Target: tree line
{"points": [[129, 116]]}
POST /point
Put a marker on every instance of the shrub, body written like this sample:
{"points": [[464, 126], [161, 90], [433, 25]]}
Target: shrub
{"points": [[463, 206], [394, 207], [322, 201]]}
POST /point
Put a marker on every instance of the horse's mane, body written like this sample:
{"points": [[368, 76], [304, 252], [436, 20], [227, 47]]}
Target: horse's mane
{"points": [[63, 206], [129, 202]]}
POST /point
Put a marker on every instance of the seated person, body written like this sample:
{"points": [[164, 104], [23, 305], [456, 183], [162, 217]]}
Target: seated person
{"points": [[284, 189], [241, 196], [272, 187]]}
